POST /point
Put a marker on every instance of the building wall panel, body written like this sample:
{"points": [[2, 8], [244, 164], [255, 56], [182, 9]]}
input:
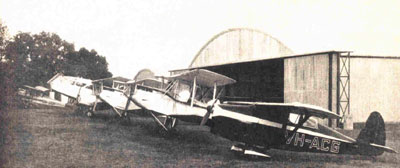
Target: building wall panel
{"points": [[306, 80], [375, 86], [312, 80]]}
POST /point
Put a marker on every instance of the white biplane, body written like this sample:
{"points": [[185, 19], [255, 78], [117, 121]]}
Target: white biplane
{"points": [[185, 98], [116, 95], [78, 90]]}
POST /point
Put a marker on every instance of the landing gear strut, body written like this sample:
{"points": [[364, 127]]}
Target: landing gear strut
{"points": [[170, 122], [126, 117]]}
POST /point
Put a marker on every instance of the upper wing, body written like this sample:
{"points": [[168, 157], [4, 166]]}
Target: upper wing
{"points": [[146, 80], [117, 78], [203, 78], [297, 108]]}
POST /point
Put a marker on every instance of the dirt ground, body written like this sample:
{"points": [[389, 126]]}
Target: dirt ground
{"points": [[64, 138]]}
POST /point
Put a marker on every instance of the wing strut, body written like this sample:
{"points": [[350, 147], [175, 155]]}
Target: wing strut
{"points": [[116, 111], [149, 111], [128, 100], [303, 119]]}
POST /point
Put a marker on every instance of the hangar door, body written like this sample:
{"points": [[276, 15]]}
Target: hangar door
{"points": [[256, 81]]}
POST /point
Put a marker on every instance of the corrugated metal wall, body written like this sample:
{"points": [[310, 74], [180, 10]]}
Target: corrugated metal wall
{"points": [[375, 86]]}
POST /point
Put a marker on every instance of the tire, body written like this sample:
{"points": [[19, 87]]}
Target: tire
{"points": [[126, 116], [170, 122], [89, 114]]}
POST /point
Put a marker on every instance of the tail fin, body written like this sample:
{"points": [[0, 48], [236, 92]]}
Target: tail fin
{"points": [[373, 132]]}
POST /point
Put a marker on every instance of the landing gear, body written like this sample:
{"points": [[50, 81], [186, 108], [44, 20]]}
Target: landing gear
{"points": [[170, 122], [125, 115], [249, 152], [80, 109], [126, 119], [89, 113]]}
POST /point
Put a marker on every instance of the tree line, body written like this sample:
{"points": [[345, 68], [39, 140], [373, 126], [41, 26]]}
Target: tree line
{"points": [[32, 59]]}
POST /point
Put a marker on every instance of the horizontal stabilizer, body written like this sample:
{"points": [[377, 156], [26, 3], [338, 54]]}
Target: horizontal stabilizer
{"points": [[384, 148]]}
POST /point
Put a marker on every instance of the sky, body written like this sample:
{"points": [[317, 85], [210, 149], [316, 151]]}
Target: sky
{"points": [[164, 35]]}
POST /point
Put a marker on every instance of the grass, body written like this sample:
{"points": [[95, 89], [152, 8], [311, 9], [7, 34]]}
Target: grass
{"points": [[64, 138]]}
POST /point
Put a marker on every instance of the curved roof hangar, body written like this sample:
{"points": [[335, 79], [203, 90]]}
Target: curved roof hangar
{"points": [[239, 45]]}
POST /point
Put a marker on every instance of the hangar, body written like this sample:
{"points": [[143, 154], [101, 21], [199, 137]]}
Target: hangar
{"points": [[267, 70]]}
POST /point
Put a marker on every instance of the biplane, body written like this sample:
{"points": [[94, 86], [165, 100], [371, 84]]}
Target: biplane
{"points": [[113, 92], [118, 95], [259, 126], [78, 90], [185, 96]]}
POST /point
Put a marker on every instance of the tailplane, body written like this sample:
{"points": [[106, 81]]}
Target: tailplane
{"points": [[373, 133]]}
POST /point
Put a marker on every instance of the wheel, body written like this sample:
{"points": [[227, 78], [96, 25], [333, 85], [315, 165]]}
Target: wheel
{"points": [[89, 113], [167, 122], [126, 116], [170, 122], [79, 109]]}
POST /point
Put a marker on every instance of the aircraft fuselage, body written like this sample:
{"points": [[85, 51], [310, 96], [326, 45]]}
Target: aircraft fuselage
{"points": [[266, 133]]}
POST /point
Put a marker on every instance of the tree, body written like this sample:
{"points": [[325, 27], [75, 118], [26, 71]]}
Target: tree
{"points": [[17, 56], [36, 58], [87, 64], [3, 40], [7, 74], [48, 56]]}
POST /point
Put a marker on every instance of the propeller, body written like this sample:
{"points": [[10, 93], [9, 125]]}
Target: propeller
{"points": [[208, 113], [210, 109]]}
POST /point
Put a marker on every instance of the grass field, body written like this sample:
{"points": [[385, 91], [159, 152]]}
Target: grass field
{"points": [[64, 138]]}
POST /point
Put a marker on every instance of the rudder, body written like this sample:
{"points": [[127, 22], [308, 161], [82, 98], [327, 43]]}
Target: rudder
{"points": [[373, 132]]}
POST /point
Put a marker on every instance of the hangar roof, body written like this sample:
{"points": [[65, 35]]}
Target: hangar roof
{"points": [[239, 45]]}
